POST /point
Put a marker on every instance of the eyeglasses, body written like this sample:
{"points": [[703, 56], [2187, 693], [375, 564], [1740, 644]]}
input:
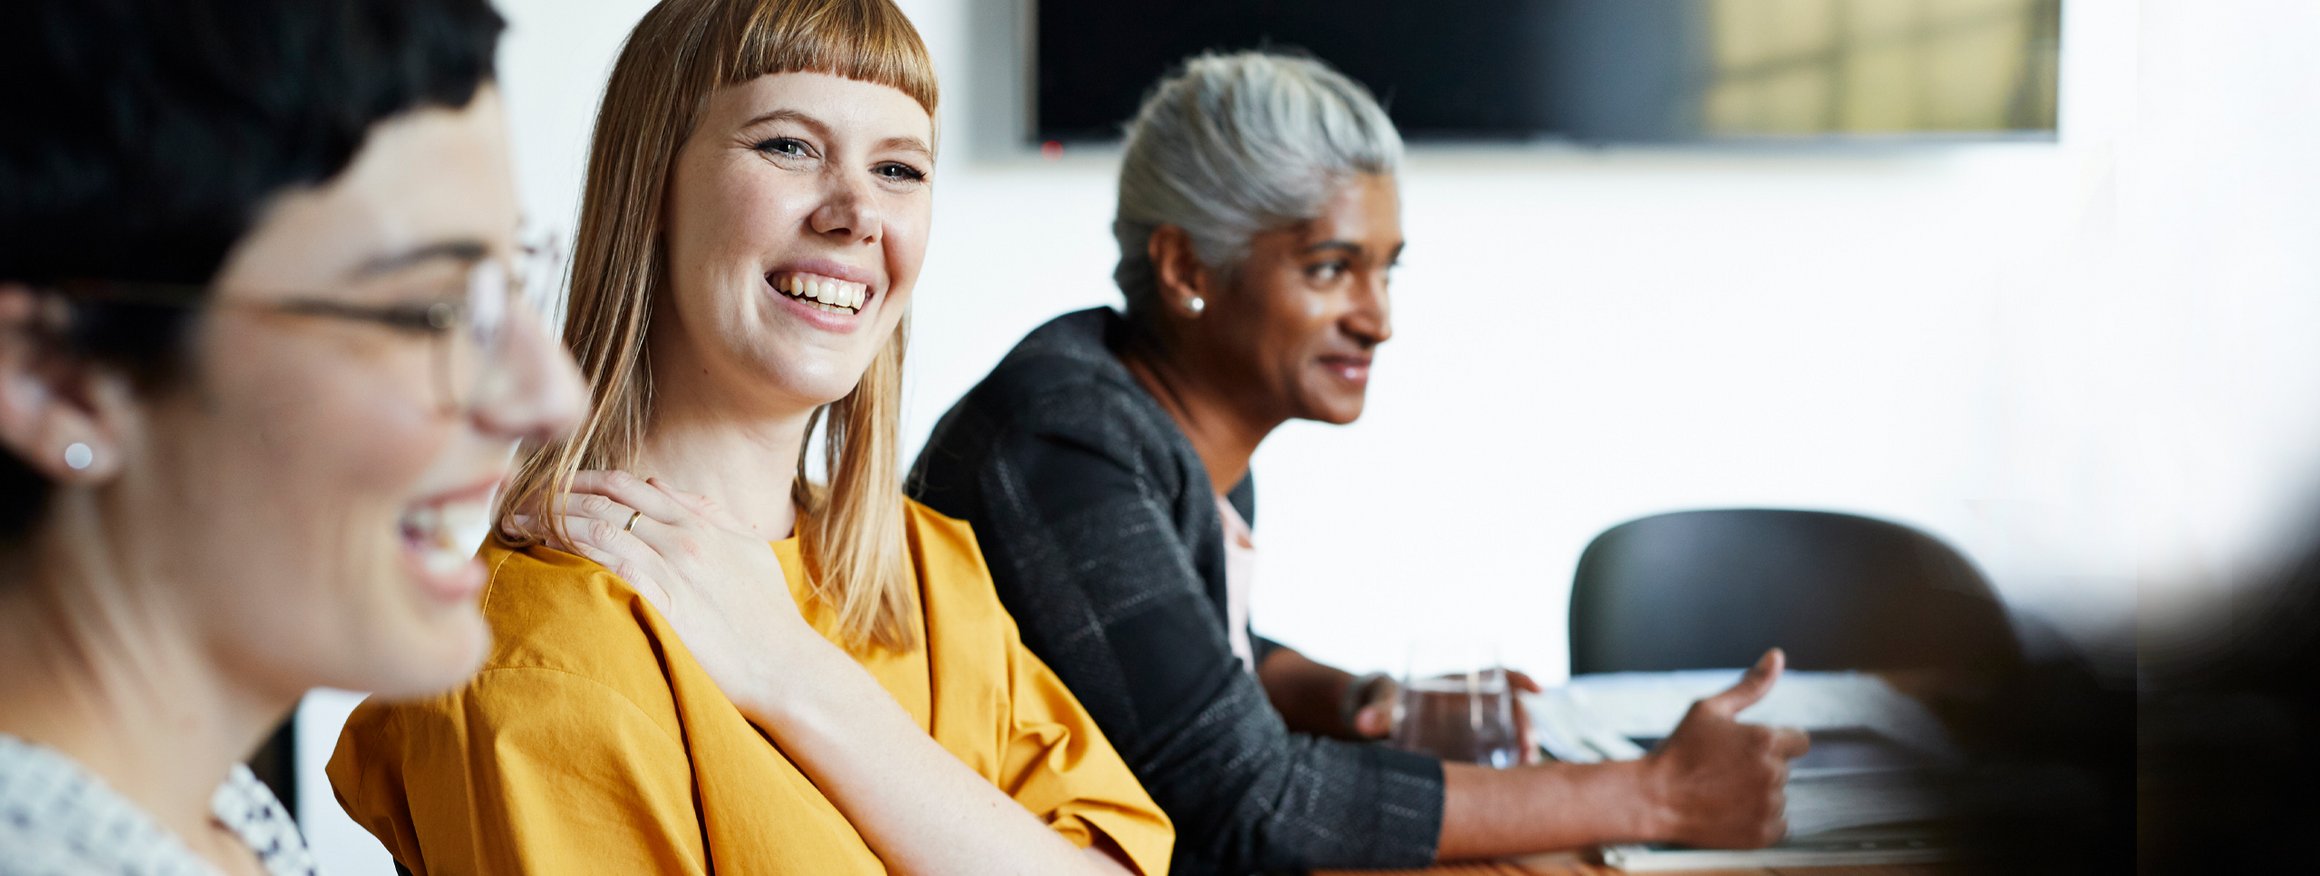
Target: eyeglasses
{"points": [[468, 329]]}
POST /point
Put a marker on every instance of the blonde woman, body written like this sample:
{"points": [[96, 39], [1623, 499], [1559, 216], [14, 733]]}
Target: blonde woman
{"points": [[669, 694]]}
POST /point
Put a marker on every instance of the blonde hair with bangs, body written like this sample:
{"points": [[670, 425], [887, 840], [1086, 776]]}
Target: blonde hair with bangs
{"points": [[851, 531]]}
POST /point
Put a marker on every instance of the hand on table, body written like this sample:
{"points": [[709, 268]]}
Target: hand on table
{"points": [[1719, 782]]}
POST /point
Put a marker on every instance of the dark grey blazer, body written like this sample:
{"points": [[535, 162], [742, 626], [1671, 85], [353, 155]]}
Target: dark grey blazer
{"points": [[1099, 524]]}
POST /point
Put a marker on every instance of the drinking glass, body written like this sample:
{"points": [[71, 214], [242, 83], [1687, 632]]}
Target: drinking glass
{"points": [[1456, 704]]}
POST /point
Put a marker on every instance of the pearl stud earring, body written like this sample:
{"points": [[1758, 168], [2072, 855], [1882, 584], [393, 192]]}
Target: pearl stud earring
{"points": [[78, 456], [1196, 304]]}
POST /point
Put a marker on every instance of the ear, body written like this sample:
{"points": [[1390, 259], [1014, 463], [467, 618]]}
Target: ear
{"points": [[50, 401], [1182, 279]]}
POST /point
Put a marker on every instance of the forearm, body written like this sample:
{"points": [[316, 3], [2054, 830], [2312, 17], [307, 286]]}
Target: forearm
{"points": [[916, 805], [1309, 695], [1490, 813]]}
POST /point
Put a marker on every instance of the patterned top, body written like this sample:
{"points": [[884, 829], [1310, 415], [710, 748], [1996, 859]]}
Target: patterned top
{"points": [[57, 818], [1102, 531]]}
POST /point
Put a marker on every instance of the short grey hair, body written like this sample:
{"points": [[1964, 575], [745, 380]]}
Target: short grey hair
{"points": [[1236, 145]]}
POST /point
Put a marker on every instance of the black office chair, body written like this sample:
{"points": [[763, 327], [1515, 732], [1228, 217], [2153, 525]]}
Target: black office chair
{"points": [[1712, 589]]}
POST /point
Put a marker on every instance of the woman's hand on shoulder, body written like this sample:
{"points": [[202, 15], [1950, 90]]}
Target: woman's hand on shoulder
{"points": [[715, 581]]}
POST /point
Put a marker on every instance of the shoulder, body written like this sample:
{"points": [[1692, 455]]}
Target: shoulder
{"points": [[506, 702], [247, 807], [933, 534], [552, 610], [565, 633], [50, 809], [504, 719], [954, 580], [1058, 411], [944, 551], [1057, 377]]}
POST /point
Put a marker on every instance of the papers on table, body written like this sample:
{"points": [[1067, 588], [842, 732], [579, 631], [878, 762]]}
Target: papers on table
{"points": [[1877, 760], [1845, 849]]}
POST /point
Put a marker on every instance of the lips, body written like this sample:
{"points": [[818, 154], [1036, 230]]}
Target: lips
{"points": [[1352, 369]]}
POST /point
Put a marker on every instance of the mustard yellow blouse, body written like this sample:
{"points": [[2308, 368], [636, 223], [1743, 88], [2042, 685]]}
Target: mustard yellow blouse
{"points": [[592, 742]]}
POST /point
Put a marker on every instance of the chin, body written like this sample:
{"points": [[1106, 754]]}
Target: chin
{"points": [[433, 658], [1338, 414], [813, 394], [812, 380]]}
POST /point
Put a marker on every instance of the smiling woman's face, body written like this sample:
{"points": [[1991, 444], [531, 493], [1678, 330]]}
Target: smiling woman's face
{"points": [[302, 496], [797, 221], [1293, 334]]}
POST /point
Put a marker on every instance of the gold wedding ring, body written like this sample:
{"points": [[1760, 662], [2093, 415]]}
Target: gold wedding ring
{"points": [[632, 517]]}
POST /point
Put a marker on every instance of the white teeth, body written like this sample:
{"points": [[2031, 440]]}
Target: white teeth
{"points": [[441, 562], [421, 521], [838, 296], [460, 521], [444, 533]]}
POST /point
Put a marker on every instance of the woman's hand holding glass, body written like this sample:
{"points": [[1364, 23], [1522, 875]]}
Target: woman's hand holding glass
{"points": [[714, 579], [1374, 714], [1456, 701]]}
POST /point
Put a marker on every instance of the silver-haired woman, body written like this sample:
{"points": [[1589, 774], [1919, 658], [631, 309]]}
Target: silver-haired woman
{"points": [[1104, 465]]}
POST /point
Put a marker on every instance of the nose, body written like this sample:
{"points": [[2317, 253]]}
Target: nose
{"points": [[848, 212], [1370, 322], [539, 394]]}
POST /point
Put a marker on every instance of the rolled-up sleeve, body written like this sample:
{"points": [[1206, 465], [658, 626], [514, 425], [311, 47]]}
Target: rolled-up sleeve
{"points": [[1085, 553], [1058, 764]]}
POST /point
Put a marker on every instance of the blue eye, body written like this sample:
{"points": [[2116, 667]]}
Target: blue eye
{"points": [[895, 170], [788, 147]]}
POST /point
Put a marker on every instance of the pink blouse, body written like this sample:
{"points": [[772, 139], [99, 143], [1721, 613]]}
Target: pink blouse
{"points": [[1240, 572]]}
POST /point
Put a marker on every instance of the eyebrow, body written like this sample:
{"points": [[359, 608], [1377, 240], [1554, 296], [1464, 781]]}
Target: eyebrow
{"points": [[462, 251], [1352, 248], [786, 115], [904, 144]]}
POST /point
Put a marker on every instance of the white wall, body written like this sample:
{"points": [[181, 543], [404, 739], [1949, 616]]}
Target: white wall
{"points": [[2063, 358], [1585, 336]]}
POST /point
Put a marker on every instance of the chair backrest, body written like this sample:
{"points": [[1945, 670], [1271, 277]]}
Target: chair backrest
{"points": [[1715, 588]]}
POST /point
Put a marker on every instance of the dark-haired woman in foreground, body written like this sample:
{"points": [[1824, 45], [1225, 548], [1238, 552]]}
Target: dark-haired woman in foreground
{"points": [[260, 352], [1105, 466]]}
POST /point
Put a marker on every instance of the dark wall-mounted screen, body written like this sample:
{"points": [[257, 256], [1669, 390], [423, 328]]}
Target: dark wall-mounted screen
{"points": [[1592, 71]]}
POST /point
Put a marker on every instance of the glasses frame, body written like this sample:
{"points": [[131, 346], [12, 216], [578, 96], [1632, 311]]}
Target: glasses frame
{"points": [[439, 320]]}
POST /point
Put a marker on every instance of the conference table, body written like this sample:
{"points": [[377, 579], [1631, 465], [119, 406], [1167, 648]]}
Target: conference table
{"points": [[1572, 864]]}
